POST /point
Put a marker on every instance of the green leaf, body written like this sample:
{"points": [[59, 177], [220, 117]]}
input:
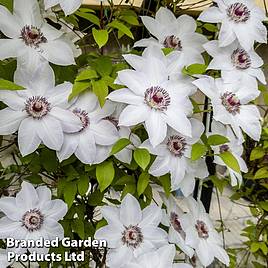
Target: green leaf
{"points": [[122, 27], [264, 205], [261, 173], [142, 157], [120, 145], [105, 174], [219, 183], [125, 180], [87, 75], [95, 199], [49, 160], [8, 85], [83, 184], [8, 4], [217, 140], [143, 182], [130, 19], [70, 190], [35, 179], [210, 27], [257, 153], [230, 161], [101, 91], [166, 184], [90, 17], [196, 68], [198, 150], [103, 66], [78, 227], [128, 189], [254, 247], [78, 88], [101, 37]]}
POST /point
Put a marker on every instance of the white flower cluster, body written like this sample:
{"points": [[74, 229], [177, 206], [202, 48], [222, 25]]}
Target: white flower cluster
{"points": [[135, 240], [154, 93]]}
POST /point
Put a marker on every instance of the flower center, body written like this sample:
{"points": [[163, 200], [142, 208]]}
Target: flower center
{"points": [[241, 59], [224, 148], [172, 41], [157, 98], [32, 36], [176, 145], [174, 220], [231, 103], [201, 229], [32, 220], [132, 236], [37, 107], [238, 12], [113, 120], [83, 116]]}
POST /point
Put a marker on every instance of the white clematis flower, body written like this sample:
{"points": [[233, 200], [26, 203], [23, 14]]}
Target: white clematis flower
{"points": [[68, 6], [240, 19], [174, 154], [124, 155], [39, 113], [153, 99], [171, 218], [95, 131], [230, 105], [236, 64], [161, 258], [195, 169], [30, 38], [177, 33], [201, 235], [131, 231], [234, 146], [32, 215]]}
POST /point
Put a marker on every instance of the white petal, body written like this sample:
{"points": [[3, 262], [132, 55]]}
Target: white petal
{"points": [[9, 48], [53, 229], [111, 234], [8, 228], [44, 194], [9, 207], [153, 26], [9, 25], [186, 23], [160, 166], [70, 7], [248, 120], [147, 42], [10, 120], [203, 252], [28, 138], [105, 132], [27, 197], [226, 35], [125, 96], [124, 156], [50, 132], [69, 121], [186, 185], [112, 216], [28, 11], [50, 32], [54, 209], [151, 216], [58, 52], [178, 121], [118, 257], [157, 236], [221, 255], [156, 127], [134, 80], [86, 149], [130, 211], [212, 14], [165, 16], [58, 96], [69, 146], [133, 115]]}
